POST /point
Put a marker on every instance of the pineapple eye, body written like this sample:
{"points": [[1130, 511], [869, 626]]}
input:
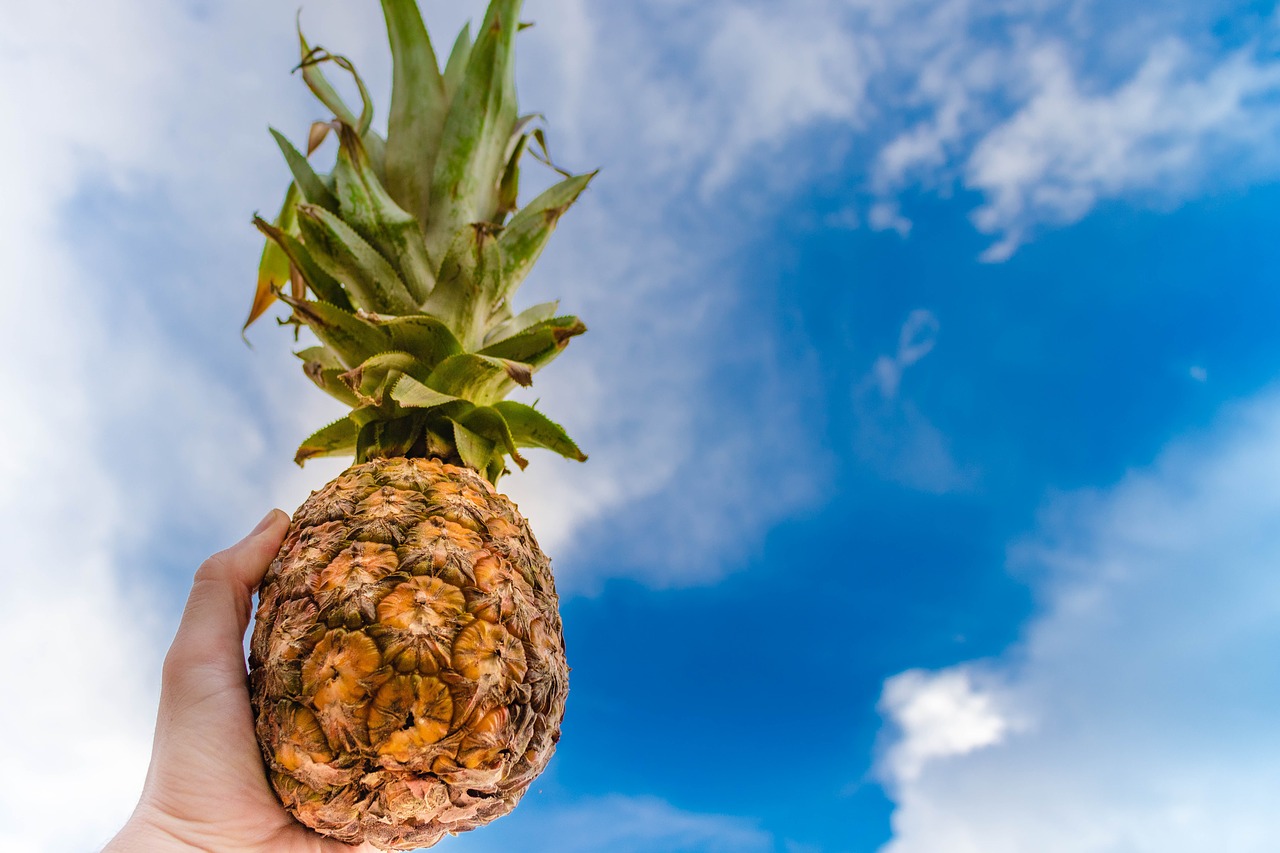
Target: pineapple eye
{"points": [[484, 651]]}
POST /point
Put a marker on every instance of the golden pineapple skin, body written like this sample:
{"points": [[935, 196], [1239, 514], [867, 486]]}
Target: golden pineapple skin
{"points": [[407, 664]]}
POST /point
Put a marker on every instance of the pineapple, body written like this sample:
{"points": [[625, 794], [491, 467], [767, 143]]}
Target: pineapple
{"points": [[407, 663]]}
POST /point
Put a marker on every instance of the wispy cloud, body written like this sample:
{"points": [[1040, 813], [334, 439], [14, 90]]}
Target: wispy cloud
{"points": [[1030, 116], [1157, 136], [1137, 713], [893, 436]]}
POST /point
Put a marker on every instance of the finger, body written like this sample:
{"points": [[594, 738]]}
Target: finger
{"points": [[217, 611]]}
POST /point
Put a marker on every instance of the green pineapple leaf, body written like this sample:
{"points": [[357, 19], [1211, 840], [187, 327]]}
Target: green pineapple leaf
{"points": [[413, 394], [488, 422], [475, 450], [376, 375], [320, 356], [531, 428], [336, 247], [509, 189], [324, 286], [464, 186], [337, 439], [538, 345], [350, 338], [478, 378], [398, 435], [418, 107], [365, 204], [522, 321], [314, 189], [329, 380], [426, 337], [525, 236], [457, 65], [469, 277]]}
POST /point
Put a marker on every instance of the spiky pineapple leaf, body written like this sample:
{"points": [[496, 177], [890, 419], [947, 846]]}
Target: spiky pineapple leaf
{"points": [[395, 437], [366, 439], [509, 189], [531, 428], [539, 345], [273, 269], [324, 286], [350, 338], [320, 356], [469, 277], [366, 415], [457, 65], [337, 439], [418, 107], [388, 438], [372, 283], [525, 236], [377, 374], [371, 211], [522, 321], [329, 380], [464, 185], [413, 394], [479, 378], [475, 450], [426, 337], [489, 423], [314, 189]]}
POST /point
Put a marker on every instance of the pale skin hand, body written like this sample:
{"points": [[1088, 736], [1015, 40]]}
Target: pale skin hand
{"points": [[206, 788]]}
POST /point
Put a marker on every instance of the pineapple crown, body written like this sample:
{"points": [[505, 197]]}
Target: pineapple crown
{"points": [[404, 258]]}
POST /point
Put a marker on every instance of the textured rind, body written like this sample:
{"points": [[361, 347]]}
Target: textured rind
{"points": [[407, 664]]}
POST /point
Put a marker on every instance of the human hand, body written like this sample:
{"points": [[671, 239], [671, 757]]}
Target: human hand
{"points": [[206, 788]]}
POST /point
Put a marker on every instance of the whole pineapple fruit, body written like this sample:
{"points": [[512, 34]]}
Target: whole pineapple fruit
{"points": [[407, 663]]}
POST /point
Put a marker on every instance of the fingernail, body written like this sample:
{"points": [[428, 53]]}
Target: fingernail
{"points": [[265, 523]]}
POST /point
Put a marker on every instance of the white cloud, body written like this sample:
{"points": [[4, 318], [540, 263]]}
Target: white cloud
{"points": [[720, 92], [619, 824], [887, 216], [773, 70], [1144, 690], [938, 715], [1161, 134], [1047, 109]]}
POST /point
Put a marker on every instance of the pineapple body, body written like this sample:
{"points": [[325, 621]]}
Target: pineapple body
{"points": [[408, 672]]}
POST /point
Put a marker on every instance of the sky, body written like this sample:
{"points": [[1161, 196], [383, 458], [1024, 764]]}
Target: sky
{"points": [[931, 392]]}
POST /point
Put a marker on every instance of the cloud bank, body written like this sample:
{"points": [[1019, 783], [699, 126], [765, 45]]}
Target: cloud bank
{"points": [[1137, 714]]}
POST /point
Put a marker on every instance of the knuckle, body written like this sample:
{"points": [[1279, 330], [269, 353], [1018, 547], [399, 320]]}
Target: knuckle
{"points": [[215, 567]]}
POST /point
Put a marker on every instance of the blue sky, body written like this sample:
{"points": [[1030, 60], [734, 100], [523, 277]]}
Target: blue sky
{"points": [[930, 394]]}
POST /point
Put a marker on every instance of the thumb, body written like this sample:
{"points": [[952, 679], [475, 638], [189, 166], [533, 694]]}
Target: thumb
{"points": [[213, 624]]}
